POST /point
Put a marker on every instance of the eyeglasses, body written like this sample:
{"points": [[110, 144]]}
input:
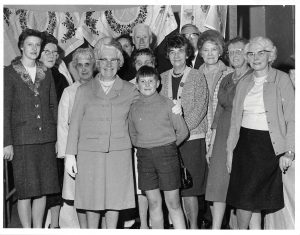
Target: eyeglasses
{"points": [[192, 35], [235, 52], [48, 53], [106, 61], [259, 54]]}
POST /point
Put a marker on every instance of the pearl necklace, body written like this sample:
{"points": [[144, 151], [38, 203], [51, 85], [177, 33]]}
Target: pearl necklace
{"points": [[177, 75]]}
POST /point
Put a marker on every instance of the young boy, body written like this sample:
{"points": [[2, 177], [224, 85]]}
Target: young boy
{"points": [[156, 132]]}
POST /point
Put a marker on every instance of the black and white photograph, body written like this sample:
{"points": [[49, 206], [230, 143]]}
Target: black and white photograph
{"points": [[148, 117]]}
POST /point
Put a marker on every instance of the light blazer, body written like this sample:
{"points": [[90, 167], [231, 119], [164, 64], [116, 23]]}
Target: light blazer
{"points": [[194, 101], [279, 101], [64, 116], [99, 122], [30, 109]]}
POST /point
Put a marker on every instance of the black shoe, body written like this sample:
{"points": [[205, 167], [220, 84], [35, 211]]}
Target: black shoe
{"points": [[136, 225], [205, 224], [54, 227]]}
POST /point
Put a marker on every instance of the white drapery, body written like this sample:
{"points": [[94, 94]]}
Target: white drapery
{"points": [[71, 28]]}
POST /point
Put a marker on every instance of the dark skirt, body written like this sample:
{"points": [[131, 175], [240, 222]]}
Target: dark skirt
{"points": [[35, 170], [193, 155], [255, 180]]}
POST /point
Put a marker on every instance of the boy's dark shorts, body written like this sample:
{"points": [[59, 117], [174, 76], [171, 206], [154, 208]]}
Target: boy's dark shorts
{"points": [[158, 167]]}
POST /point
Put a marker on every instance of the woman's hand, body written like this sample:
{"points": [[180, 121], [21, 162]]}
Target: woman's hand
{"points": [[229, 161], [208, 154], [8, 152], [70, 165], [286, 161], [176, 109]]}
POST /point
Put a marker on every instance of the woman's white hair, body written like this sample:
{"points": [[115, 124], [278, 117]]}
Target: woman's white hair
{"points": [[266, 44], [109, 42]]}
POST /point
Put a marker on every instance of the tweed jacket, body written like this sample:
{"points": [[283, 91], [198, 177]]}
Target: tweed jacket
{"points": [[279, 101], [99, 122], [30, 109], [194, 101]]}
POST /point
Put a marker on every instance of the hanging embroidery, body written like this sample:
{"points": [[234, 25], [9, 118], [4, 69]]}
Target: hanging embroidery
{"points": [[70, 26], [52, 24], [6, 15], [205, 8], [91, 22], [120, 28], [22, 19]]}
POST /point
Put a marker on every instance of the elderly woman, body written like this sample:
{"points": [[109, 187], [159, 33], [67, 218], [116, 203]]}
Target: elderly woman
{"points": [[261, 144], [99, 136], [218, 177], [50, 52], [83, 61], [30, 114], [189, 88], [211, 46]]}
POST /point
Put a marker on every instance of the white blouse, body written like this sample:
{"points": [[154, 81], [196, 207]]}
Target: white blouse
{"points": [[254, 114]]}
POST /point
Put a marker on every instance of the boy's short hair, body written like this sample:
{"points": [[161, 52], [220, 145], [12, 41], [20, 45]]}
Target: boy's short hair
{"points": [[147, 71]]}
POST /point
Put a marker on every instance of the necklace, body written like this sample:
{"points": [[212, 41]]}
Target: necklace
{"points": [[177, 75]]}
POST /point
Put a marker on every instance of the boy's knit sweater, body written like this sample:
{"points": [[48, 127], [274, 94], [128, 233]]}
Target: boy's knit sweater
{"points": [[152, 123]]}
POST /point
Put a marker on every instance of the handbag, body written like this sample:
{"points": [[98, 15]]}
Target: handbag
{"points": [[186, 178]]}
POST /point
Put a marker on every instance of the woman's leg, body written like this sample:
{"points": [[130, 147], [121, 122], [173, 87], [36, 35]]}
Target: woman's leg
{"points": [[38, 210], [55, 216], [93, 219], [174, 207], [24, 211], [111, 218], [243, 218], [255, 221], [218, 210], [82, 218], [155, 208], [190, 205], [143, 211]]}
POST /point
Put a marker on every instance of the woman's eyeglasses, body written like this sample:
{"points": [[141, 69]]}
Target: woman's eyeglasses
{"points": [[48, 53], [259, 54], [235, 52], [105, 61]]}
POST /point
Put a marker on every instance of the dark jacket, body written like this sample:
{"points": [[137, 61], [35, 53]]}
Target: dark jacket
{"points": [[30, 109]]}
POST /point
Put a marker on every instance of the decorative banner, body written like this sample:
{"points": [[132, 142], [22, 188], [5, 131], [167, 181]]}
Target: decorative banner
{"points": [[205, 17], [71, 28]]}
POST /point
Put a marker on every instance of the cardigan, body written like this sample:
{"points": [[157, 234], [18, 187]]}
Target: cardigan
{"points": [[194, 101], [152, 123], [99, 122], [279, 101], [30, 109]]}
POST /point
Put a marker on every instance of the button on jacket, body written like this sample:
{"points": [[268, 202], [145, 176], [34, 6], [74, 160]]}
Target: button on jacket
{"points": [[29, 115], [99, 122], [279, 101]]}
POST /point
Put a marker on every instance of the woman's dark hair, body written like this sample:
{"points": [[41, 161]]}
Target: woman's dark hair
{"points": [[178, 41], [147, 71], [27, 33], [233, 41], [212, 36], [126, 36], [144, 51], [49, 38]]}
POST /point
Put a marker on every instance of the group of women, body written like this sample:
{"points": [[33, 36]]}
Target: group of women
{"points": [[240, 119]]}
